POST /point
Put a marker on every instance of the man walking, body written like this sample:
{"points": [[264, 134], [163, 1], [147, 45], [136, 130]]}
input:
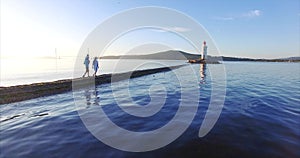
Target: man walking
{"points": [[86, 63]]}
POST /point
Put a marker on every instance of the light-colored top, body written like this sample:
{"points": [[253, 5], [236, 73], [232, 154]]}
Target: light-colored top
{"points": [[86, 61]]}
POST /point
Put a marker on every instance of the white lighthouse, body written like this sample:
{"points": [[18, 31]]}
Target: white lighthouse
{"points": [[204, 51]]}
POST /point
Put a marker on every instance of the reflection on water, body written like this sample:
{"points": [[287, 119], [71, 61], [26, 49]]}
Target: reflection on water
{"points": [[92, 96], [202, 73], [97, 97], [87, 94]]}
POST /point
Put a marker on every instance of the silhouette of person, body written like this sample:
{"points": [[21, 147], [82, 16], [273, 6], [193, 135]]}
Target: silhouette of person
{"points": [[95, 66], [86, 63]]}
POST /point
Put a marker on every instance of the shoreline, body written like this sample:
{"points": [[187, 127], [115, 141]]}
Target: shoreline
{"points": [[18, 93]]}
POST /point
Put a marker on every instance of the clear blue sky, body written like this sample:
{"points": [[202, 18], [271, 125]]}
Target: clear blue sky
{"points": [[253, 28]]}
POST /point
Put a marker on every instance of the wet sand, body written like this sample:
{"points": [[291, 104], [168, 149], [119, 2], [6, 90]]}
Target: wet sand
{"points": [[24, 92]]}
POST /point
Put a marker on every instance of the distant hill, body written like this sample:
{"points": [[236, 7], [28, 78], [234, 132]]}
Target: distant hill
{"points": [[167, 55], [180, 55]]}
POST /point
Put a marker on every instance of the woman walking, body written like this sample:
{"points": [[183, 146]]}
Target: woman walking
{"points": [[95, 66]]}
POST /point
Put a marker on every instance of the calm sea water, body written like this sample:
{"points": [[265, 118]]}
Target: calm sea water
{"points": [[260, 117]]}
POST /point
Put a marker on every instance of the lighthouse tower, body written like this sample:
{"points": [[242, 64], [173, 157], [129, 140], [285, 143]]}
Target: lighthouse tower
{"points": [[204, 51]]}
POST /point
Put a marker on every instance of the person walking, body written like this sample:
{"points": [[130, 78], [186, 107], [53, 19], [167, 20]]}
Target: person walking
{"points": [[86, 63], [95, 66]]}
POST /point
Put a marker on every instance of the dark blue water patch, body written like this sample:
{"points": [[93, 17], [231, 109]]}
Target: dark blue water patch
{"points": [[142, 100], [139, 124], [147, 82]]}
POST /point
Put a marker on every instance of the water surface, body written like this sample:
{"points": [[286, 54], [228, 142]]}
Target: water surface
{"points": [[260, 117]]}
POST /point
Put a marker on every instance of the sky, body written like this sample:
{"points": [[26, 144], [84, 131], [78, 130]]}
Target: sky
{"points": [[253, 28]]}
